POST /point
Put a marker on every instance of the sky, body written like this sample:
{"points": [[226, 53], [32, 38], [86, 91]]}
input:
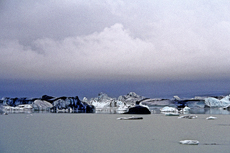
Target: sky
{"points": [[85, 47]]}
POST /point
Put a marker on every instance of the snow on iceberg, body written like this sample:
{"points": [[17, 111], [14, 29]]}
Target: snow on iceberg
{"points": [[41, 105], [214, 102], [130, 98], [102, 101], [99, 105]]}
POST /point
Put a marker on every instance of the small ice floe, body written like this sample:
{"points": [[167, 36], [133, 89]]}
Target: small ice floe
{"points": [[168, 109], [211, 118], [172, 114], [188, 117], [130, 118], [189, 142]]}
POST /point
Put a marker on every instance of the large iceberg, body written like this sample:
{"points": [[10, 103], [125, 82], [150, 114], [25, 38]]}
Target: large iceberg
{"points": [[47, 103], [69, 104], [214, 102], [102, 101], [193, 102]]}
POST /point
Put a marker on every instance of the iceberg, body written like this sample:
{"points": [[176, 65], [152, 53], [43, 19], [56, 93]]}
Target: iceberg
{"points": [[71, 105], [168, 109], [214, 102], [122, 108], [130, 98], [16, 101], [185, 110], [138, 109], [41, 105], [100, 105], [102, 101], [47, 103]]}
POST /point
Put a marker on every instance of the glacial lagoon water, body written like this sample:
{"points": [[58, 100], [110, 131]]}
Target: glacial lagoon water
{"points": [[90, 133]]}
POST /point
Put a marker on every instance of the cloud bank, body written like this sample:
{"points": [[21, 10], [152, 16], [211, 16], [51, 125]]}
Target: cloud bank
{"points": [[114, 40]]}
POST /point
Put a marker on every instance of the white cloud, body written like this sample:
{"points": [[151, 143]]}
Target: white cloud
{"points": [[115, 40], [112, 53], [109, 52]]}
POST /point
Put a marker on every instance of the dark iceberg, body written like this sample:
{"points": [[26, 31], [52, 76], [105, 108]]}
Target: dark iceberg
{"points": [[138, 109], [17, 101], [49, 103], [69, 104]]}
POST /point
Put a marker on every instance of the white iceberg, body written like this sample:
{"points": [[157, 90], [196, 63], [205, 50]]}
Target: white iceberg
{"points": [[41, 105], [168, 109], [100, 104], [214, 102], [186, 109], [122, 108], [20, 108], [102, 101], [130, 98]]}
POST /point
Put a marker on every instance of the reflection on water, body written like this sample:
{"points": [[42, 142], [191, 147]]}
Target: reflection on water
{"points": [[215, 111], [154, 110]]}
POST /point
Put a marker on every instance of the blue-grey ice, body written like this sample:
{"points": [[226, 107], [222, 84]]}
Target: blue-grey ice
{"points": [[214, 102]]}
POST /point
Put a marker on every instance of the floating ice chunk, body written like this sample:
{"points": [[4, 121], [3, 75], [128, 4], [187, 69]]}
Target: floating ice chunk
{"points": [[171, 114], [188, 117], [211, 118], [130, 118], [189, 142], [168, 109]]}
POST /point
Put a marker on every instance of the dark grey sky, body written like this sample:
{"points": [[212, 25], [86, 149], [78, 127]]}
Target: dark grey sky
{"points": [[50, 41]]}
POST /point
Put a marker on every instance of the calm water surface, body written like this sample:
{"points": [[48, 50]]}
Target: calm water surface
{"points": [[90, 133]]}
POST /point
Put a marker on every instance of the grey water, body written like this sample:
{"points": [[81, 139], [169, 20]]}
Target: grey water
{"points": [[88, 133], [62, 133]]}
